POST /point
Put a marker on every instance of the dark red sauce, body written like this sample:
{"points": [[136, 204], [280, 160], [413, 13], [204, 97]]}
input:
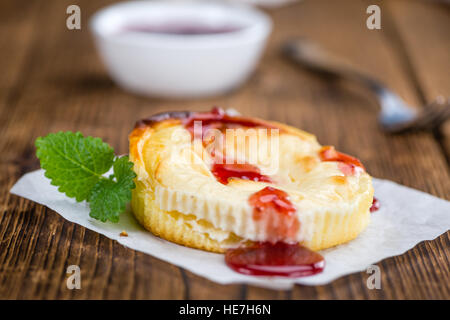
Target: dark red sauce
{"points": [[375, 205], [273, 210], [245, 171], [349, 169], [184, 29], [279, 259], [161, 117], [347, 164], [218, 119]]}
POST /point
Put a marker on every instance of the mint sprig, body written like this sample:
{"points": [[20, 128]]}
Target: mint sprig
{"points": [[76, 164], [115, 192]]}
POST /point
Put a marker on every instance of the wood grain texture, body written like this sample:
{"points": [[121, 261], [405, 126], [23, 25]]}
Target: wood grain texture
{"points": [[427, 51], [52, 80]]}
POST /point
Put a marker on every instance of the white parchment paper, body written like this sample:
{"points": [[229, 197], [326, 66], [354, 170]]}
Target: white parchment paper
{"points": [[406, 217]]}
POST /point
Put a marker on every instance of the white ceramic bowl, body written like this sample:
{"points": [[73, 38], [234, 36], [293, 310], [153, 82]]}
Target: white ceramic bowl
{"points": [[174, 65]]}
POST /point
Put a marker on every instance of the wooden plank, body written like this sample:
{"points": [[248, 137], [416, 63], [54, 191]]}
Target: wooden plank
{"points": [[60, 85], [423, 29], [56, 94], [16, 37]]}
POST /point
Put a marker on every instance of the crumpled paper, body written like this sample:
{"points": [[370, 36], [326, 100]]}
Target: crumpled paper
{"points": [[406, 217]]}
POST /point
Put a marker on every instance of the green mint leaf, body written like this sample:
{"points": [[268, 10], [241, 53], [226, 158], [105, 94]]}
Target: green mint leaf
{"points": [[109, 197], [74, 163]]}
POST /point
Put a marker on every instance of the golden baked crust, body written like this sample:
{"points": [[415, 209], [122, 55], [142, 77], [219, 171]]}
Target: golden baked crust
{"points": [[181, 201]]}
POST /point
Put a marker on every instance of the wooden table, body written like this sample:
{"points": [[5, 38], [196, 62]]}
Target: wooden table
{"points": [[51, 79]]}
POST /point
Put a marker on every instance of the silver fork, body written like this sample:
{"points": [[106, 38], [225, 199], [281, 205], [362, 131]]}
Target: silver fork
{"points": [[395, 115]]}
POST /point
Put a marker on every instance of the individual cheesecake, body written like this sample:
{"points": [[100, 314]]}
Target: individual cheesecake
{"points": [[214, 181]]}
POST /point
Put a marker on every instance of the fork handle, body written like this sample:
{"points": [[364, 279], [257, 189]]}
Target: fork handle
{"points": [[314, 58]]}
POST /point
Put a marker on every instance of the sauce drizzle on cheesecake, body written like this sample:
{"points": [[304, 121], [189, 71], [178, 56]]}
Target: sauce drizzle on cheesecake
{"points": [[375, 205], [217, 118], [224, 171], [274, 210]]}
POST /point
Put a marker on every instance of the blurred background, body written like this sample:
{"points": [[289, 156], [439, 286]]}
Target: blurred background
{"points": [[53, 71]]}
